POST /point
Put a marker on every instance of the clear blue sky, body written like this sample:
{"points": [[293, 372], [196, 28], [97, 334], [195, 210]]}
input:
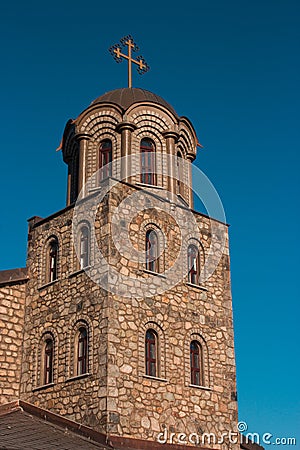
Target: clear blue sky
{"points": [[232, 67]]}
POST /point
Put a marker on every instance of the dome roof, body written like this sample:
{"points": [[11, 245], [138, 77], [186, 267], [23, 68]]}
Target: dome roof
{"points": [[128, 96]]}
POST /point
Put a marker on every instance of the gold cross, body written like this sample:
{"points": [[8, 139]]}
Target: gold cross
{"points": [[115, 51]]}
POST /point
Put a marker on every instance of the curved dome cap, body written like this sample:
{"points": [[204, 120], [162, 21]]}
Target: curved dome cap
{"points": [[128, 96]]}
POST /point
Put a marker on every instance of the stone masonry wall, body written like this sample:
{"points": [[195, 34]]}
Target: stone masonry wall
{"points": [[12, 303], [141, 406], [56, 309], [117, 298], [116, 396]]}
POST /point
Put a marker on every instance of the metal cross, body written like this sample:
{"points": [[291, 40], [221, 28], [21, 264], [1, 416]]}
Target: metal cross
{"points": [[115, 51]]}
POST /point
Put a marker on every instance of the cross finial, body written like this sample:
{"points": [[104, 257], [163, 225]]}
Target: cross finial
{"points": [[115, 51]]}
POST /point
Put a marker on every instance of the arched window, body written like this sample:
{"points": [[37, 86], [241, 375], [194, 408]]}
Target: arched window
{"points": [[151, 353], [105, 159], [196, 363], [75, 176], [152, 251], [84, 247], [48, 361], [193, 264], [82, 351], [180, 180], [52, 262], [148, 172]]}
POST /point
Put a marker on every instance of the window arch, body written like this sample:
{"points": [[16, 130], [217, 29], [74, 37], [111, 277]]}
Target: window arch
{"points": [[105, 159], [193, 257], [196, 364], [48, 361], [82, 351], [84, 247], [148, 172], [151, 353], [52, 260], [152, 251]]}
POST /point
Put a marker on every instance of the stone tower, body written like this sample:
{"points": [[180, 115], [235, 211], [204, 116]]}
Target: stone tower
{"points": [[114, 337]]}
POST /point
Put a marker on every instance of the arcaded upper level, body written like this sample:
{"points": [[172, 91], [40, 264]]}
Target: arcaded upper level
{"points": [[140, 127]]}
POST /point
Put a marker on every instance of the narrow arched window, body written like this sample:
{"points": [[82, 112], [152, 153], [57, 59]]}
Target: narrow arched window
{"points": [[82, 351], [75, 177], [52, 260], [196, 363], [193, 264], [105, 159], [180, 180], [151, 353], [84, 247], [148, 172], [152, 251], [48, 361]]}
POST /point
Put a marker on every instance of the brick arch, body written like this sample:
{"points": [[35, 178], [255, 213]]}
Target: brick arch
{"points": [[187, 134], [185, 141], [197, 335], [102, 132], [50, 234], [116, 147], [77, 322], [157, 326], [151, 121], [154, 135], [146, 108], [92, 114]]}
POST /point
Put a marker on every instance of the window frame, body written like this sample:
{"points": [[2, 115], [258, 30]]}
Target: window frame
{"points": [[193, 273], [82, 357], [52, 260], [150, 361], [48, 361], [105, 159], [84, 242], [148, 162], [196, 373], [152, 256]]}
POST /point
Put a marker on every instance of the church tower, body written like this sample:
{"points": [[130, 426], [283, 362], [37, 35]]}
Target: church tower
{"points": [[128, 321]]}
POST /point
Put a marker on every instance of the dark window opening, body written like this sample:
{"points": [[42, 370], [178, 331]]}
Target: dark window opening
{"points": [[82, 351], [53, 258], [48, 362]]}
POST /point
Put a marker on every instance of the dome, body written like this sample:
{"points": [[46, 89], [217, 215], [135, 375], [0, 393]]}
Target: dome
{"points": [[128, 96]]}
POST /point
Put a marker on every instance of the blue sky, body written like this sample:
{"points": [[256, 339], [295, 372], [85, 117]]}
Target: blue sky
{"points": [[231, 67]]}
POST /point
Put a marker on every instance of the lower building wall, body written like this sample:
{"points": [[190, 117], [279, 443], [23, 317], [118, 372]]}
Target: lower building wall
{"points": [[12, 306]]}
